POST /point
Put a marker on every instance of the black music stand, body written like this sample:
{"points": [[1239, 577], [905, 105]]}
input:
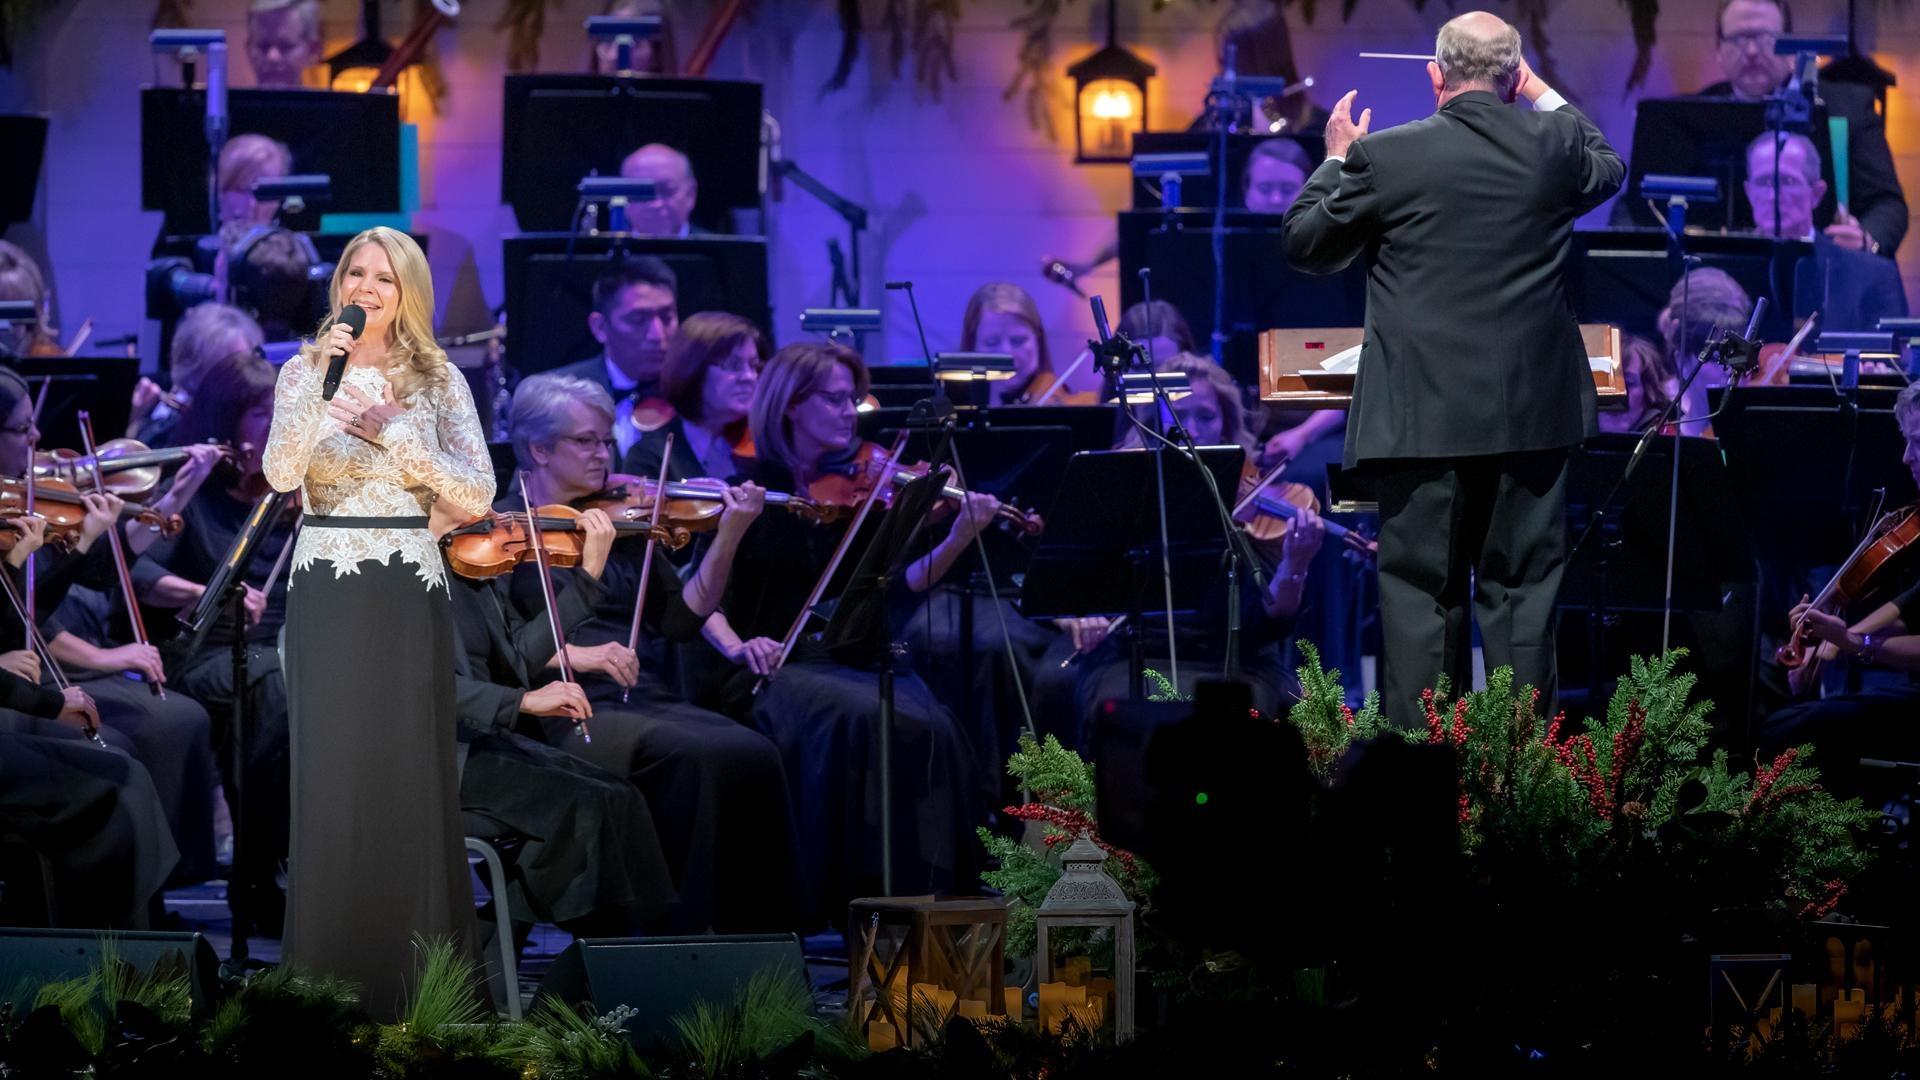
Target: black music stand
{"points": [[228, 591], [1624, 276], [103, 385], [1623, 567], [860, 631], [1708, 136], [1101, 554]]}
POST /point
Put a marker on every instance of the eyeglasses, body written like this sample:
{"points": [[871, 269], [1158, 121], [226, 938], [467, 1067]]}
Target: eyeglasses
{"points": [[23, 430], [1788, 182], [1757, 40], [733, 365], [590, 443], [839, 399]]}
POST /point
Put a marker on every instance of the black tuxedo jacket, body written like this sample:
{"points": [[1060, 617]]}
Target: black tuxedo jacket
{"points": [[1876, 197], [1465, 220]]}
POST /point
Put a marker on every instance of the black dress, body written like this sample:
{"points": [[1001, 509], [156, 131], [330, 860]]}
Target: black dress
{"points": [[821, 713], [377, 858], [717, 790], [588, 856]]}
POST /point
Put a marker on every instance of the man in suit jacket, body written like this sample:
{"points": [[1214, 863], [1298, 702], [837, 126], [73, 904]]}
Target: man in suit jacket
{"points": [[635, 313], [1473, 378], [676, 190], [1852, 289]]}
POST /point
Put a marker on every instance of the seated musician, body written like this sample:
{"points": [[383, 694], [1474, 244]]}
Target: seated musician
{"points": [[92, 815], [1002, 318], [1068, 693], [21, 279], [268, 273], [1854, 289], [716, 788], [675, 192], [283, 40], [651, 56], [587, 857], [712, 366], [171, 737], [1648, 373], [1878, 722], [1276, 171], [635, 313], [819, 709], [206, 333], [245, 159], [1745, 33], [236, 408], [1707, 298]]}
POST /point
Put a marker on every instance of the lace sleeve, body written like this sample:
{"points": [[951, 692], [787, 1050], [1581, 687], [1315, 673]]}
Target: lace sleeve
{"points": [[299, 423], [459, 469]]}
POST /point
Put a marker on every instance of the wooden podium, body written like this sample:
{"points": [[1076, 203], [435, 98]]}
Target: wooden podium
{"points": [[1291, 376]]}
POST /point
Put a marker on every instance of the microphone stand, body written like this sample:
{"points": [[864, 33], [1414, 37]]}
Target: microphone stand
{"points": [[847, 286]]}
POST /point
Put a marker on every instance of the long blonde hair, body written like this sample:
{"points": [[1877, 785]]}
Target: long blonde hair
{"points": [[415, 362]]}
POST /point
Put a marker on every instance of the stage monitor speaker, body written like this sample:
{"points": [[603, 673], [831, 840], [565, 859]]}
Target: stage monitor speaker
{"points": [[30, 959], [662, 977]]}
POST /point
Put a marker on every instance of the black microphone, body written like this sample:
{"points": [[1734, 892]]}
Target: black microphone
{"points": [[900, 285], [1100, 320], [355, 317]]}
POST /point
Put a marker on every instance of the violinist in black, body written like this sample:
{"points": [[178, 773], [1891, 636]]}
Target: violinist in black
{"points": [[234, 406], [821, 711], [716, 788], [587, 856], [1878, 721], [713, 363], [170, 736]]}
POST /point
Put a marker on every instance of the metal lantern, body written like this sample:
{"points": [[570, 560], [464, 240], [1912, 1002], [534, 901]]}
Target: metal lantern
{"points": [[916, 962], [1109, 100], [1086, 896]]}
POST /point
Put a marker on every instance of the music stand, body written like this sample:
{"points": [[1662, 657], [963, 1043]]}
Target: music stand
{"points": [[1624, 276], [1100, 555], [550, 280], [227, 591], [103, 385], [1704, 136], [1623, 568], [860, 631], [314, 125], [1263, 291], [1766, 433], [556, 129], [1198, 191], [24, 138]]}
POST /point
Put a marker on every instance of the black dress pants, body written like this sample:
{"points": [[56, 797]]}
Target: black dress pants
{"points": [[1464, 540]]}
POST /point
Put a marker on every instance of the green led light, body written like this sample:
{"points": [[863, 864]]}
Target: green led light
{"points": [[1200, 798]]}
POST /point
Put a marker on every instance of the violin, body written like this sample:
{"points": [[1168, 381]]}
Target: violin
{"points": [[59, 504], [872, 469], [130, 468], [1862, 581], [694, 504], [495, 544], [1268, 511]]}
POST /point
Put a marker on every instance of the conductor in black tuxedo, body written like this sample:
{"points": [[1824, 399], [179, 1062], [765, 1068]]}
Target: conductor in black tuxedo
{"points": [[1473, 380]]}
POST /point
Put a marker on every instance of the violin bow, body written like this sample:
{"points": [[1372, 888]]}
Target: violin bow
{"points": [[546, 595], [119, 550], [839, 553], [1266, 482], [38, 643], [646, 559]]}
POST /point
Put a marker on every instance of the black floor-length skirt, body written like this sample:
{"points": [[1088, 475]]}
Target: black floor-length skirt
{"points": [[376, 858]]}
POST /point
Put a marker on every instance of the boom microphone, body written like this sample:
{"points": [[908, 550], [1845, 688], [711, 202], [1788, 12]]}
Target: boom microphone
{"points": [[355, 317]]}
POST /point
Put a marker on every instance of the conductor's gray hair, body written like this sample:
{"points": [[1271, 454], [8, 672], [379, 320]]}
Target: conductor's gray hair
{"points": [[540, 408], [1466, 59]]}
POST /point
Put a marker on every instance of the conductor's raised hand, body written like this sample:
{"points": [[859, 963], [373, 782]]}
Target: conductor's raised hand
{"points": [[1342, 130]]}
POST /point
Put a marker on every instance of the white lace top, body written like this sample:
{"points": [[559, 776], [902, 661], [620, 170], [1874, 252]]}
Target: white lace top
{"points": [[433, 450]]}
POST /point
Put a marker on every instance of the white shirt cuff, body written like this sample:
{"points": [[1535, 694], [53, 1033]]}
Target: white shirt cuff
{"points": [[1549, 101], [1334, 158]]}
